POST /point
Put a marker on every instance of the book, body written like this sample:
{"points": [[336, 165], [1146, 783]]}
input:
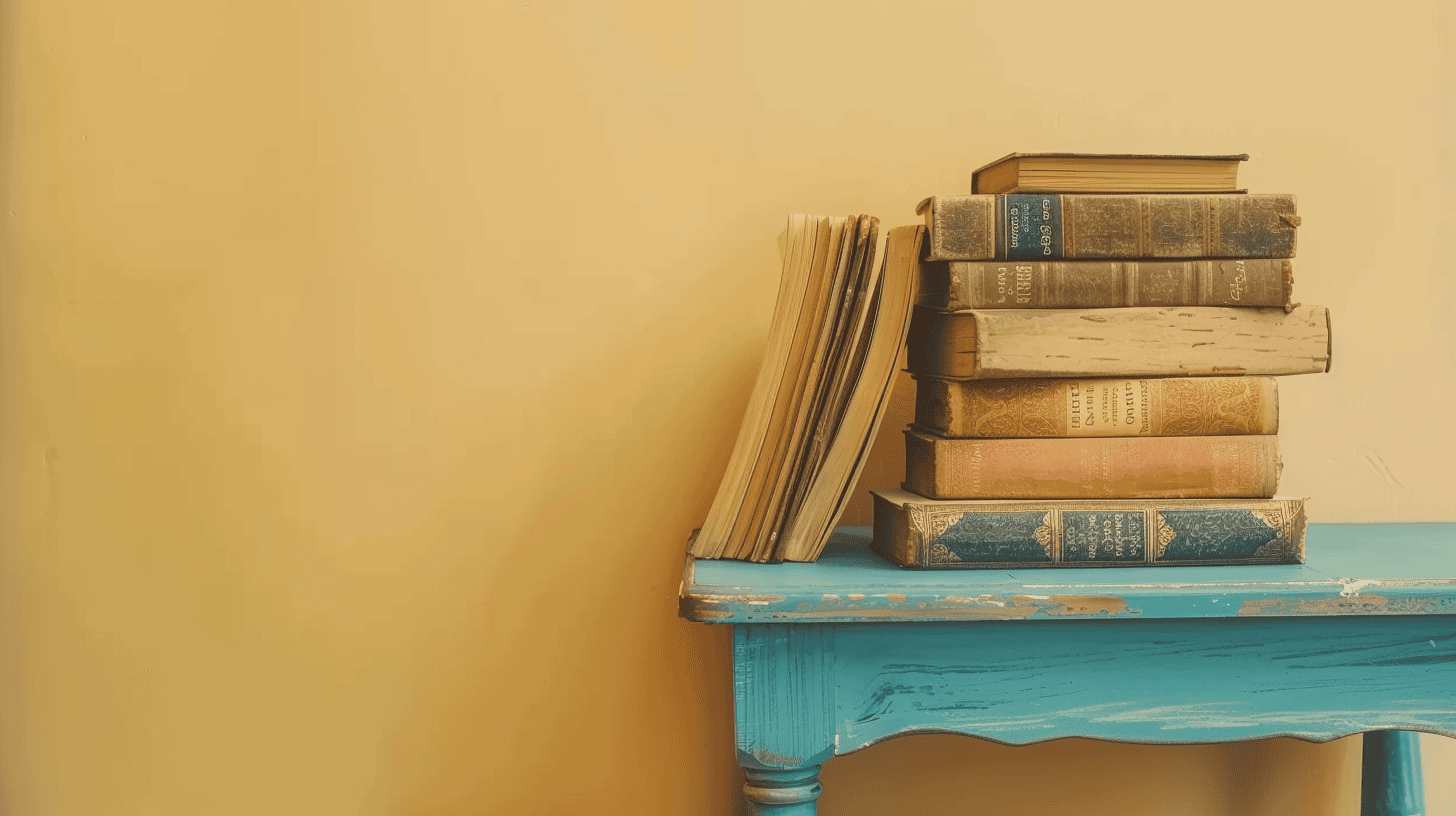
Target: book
{"points": [[1054, 407], [1108, 173], [1102, 284], [1128, 467], [838, 326], [916, 532], [1054, 226], [1139, 341]]}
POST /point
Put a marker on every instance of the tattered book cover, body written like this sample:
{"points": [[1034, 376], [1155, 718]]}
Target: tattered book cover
{"points": [[914, 531]]}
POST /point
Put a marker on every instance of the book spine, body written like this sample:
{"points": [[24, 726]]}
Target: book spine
{"points": [[1054, 226], [1191, 467], [891, 536], [958, 285], [1013, 535], [1049, 407], [1140, 341]]}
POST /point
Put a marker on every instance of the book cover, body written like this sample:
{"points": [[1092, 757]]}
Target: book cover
{"points": [[1108, 173], [1104, 284], [1052, 226], [1058, 407], [922, 533], [1126, 467], [1138, 341]]}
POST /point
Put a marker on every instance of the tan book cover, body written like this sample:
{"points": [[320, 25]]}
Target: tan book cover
{"points": [[1139, 341], [1185, 467], [1055, 407], [1054, 226], [1108, 173], [1105, 284]]}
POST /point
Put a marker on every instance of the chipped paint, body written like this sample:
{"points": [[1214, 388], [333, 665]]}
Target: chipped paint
{"points": [[1221, 585], [719, 607], [979, 607], [963, 599], [1352, 605], [1081, 604], [1344, 605], [771, 759], [1350, 587]]}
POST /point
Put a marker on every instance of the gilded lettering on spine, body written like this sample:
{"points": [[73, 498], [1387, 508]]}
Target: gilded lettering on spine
{"points": [[1110, 226], [1062, 407]]}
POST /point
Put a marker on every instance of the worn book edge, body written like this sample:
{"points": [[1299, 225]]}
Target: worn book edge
{"points": [[915, 532]]}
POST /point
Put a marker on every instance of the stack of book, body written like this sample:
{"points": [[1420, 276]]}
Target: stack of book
{"points": [[1094, 370]]}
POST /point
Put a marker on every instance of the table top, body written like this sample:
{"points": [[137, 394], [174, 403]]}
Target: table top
{"points": [[1351, 569]]}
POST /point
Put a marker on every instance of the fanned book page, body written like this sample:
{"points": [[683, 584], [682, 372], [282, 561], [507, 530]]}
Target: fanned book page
{"points": [[837, 329]]}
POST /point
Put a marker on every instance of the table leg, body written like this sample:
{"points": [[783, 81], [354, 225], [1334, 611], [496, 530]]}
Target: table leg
{"points": [[1390, 782], [783, 707], [782, 793]]}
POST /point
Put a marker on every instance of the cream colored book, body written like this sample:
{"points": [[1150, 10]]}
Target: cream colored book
{"points": [[1136, 341], [841, 320]]}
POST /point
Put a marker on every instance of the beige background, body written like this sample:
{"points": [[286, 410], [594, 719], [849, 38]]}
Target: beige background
{"points": [[365, 365]]}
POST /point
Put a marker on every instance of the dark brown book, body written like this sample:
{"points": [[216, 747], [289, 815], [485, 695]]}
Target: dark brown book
{"points": [[1054, 226], [1108, 173], [1139, 341], [1186, 467], [1105, 284]]}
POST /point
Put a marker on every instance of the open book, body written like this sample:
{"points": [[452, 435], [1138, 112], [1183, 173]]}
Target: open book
{"points": [[842, 315]]}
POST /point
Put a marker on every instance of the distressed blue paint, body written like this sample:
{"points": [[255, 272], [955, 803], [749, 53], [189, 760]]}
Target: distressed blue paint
{"points": [[1391, 783], [1351, 569], [783, 695], [1181, 681], [833, 656]]}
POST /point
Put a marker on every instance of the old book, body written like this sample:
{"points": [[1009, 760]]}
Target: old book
{"points": [[1139, 341], [917, 532], [1129, 467], [1108, 173], [1104, 284], [838, 327], [868, 378], [1063, 226], [1052, 407]]}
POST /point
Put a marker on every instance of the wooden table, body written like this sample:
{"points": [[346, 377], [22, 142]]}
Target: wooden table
{"points": [[836, 655]]}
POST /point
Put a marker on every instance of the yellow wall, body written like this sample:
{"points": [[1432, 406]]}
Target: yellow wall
{"points": [[366, 363]]}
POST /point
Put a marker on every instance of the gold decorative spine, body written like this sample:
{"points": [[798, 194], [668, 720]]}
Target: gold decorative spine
{"points": [[1057, 407], [914, 531]]}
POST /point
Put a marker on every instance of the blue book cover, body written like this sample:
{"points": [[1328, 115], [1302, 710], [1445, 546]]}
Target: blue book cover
{"points": [[914, 531]]}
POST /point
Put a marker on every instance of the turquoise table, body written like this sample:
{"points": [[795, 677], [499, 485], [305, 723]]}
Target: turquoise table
{"points": [[836, 655]]}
